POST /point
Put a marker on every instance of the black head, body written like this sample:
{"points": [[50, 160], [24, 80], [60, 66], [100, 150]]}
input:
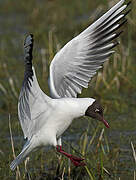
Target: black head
{"points": [[96, 111]]}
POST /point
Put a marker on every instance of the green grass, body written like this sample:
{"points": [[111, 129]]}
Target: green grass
{"points": [[109, 153]]}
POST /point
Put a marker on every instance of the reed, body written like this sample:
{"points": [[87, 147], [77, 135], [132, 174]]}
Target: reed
{"points": [[18, 175], [103, 156]]}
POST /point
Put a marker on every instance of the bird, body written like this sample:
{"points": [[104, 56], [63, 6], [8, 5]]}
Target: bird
{"points": [[44, 118]]}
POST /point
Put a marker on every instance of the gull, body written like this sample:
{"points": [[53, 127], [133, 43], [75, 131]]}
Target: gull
{"points": [[44, 119]]}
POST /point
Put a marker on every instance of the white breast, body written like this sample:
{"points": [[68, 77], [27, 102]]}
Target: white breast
{"points": [[65, 110]]}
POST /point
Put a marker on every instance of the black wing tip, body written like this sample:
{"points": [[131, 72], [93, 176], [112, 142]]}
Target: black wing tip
{"points": [[28, 40], [116, 44], [31, 35], [119, 33], [122, 23], [28, 47], [126, 13], [129, 3]]}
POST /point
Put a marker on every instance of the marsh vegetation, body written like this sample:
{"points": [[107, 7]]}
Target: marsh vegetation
{"points": [[109, 153]]}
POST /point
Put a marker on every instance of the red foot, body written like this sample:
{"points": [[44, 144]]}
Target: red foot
{"points": [[75, 160]]}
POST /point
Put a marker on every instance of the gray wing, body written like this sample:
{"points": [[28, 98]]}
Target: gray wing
{"points": [[33, 102], [77, 62]]}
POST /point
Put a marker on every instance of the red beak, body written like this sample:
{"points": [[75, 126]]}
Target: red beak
{"points": [[105, 123]]}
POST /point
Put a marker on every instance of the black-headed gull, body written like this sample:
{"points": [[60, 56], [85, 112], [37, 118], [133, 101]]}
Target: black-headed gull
{"points": [[44, 119]]}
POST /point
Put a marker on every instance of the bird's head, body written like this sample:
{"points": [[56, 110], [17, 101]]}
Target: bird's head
{"points": [[96, 111]]}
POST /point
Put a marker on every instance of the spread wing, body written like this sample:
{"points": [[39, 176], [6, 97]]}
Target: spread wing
{"points": [[77, 62], [33, 102]]}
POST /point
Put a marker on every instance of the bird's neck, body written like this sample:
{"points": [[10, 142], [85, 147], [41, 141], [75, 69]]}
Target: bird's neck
{"points": [[80, 105]]}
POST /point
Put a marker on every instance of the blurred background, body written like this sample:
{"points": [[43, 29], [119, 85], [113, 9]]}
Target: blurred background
{"points": [[109, 153]]}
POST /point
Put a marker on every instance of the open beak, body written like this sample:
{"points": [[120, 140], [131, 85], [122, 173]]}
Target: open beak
{"points": [[105, 123]]}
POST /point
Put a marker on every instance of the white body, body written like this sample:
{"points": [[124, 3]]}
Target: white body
{"points": [[61, 114], [56, 120]]}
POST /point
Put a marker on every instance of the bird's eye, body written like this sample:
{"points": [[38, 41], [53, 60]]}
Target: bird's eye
{"points": [[97, 110]]}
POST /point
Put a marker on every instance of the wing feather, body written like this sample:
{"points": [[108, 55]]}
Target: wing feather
{"points": [[32, 101], [77, 62]]}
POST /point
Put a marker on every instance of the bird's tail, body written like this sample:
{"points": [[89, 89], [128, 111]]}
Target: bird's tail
{"points": [[25, 151]]}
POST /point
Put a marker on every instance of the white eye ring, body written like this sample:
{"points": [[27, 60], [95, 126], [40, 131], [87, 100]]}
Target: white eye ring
{"points": [[96, 110]]}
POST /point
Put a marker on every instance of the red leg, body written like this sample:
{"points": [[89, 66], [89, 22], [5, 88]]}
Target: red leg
{"points": [[75, 160]]}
